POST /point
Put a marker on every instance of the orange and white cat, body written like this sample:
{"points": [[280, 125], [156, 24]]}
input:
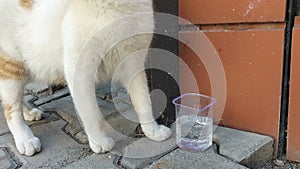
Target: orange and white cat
{"points": [[43, 39]]}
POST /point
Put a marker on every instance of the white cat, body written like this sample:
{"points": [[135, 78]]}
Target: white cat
{"points": [[44, 40]]}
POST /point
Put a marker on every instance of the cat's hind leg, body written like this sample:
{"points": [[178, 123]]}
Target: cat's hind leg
{"points": [[32, 114], [12, 81], [140, 97]]}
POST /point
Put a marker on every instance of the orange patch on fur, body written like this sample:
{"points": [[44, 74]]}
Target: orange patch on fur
{"points": [[11, 69], [27, 4], [7, 111]]}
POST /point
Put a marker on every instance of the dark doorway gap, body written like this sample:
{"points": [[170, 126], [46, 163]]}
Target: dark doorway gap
{"points": [[292, 11]]}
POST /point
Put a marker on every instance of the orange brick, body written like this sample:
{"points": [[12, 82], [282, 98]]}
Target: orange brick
{"points": [[232, 11], [293, 146]]}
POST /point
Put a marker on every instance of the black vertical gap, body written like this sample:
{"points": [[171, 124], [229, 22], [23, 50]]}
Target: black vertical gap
{"points": [[290, 18], [298, 7], [159, 79]]}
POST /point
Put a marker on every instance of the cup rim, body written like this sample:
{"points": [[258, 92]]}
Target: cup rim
{"points": [[213, 101]]}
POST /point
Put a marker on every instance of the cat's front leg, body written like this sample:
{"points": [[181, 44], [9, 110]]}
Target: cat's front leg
{"points": [[81, 81], [11, 92]]}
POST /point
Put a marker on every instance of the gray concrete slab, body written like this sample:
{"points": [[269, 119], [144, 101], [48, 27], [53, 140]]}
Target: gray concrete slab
{"points": [[95, 161], [47, 117], [65, 109], [180, 159], [7, 164], [61, 133], [145, 151], [59, 94], [28, 99], [3, 125], [122, 125], [58, 149], [246, 148], [36, 88], [6, 161]]}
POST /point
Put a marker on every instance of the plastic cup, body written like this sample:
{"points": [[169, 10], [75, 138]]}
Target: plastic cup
{"points": [[194, 121]]}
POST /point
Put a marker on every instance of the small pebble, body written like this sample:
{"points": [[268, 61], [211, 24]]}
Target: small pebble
{"points": [[279, 163]]}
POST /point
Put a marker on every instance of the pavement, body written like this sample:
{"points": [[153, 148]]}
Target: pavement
{"points": [[64, 143]]}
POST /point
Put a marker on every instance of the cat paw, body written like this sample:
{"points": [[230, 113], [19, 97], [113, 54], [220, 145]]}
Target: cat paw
{"points": [[29, 147], [33, 115], [103, 145], [158, 133]]}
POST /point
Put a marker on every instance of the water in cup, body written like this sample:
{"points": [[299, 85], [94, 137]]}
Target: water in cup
{"points": [[194, 121], [194, 133]]}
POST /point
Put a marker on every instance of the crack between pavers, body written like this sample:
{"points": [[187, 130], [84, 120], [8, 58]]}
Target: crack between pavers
{"points": [[30, 92], [31, 102], [51, 100], [170, 151], [216, 148], [151, 161], [111, 114], [70, 135], [11, 157], [37, 123], [4, 133], [80, 129], [34, 98], [45, 121], [44, 100], [117, 162]]}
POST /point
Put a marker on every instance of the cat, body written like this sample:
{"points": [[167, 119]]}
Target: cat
{"points": [[42, 40]]}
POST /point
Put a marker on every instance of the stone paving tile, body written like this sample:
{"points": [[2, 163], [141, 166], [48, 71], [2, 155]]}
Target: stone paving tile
{"points": [[249, 148], [122, 123], [95, 161], [7, 164], [28, 99], [246, 148], [145, 151], [3, 124], [35, 88], [6, 161], [58, 149], [64, 107], [47, 117], [59, 94], [137, 153], [2, 153], [180, 159]]}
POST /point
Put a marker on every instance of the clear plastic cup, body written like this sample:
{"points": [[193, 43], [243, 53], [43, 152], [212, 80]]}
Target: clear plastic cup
{"points": [[194, 121]]}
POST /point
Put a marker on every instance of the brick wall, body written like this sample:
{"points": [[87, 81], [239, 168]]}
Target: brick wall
{"points": [[249, 38]]}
